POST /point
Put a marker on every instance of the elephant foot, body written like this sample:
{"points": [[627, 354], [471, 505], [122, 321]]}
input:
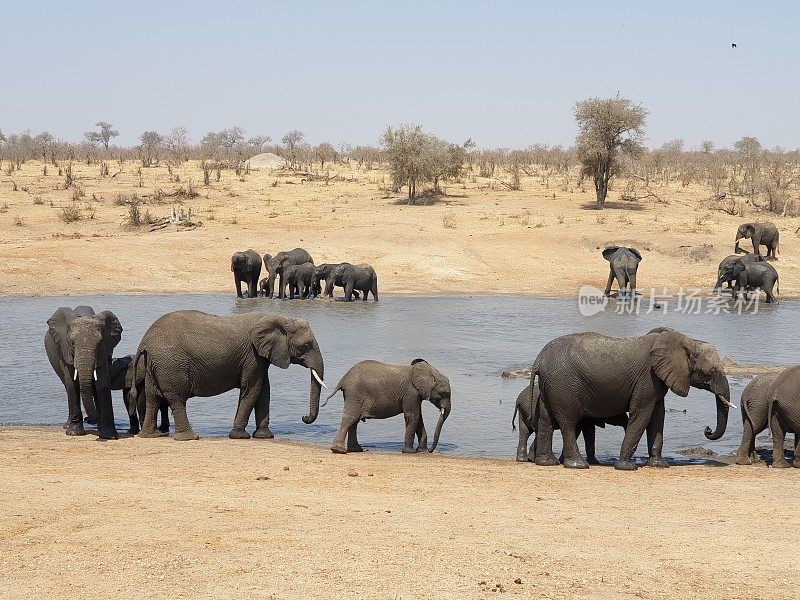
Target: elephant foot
{"points": [[576, 463], [263, 433], [409, 450], [548, 460], [164, 427], [151, 433], [780, 464], [235, 434], [66, 424], [185, 436], [592, 460], [90, 420], [336, 449], [522, 457], [132, 430], [108, 434], [422, 448], [657, 462], [625, 465], [355, 448], [744, 460], [75, 429], [796, 463]]}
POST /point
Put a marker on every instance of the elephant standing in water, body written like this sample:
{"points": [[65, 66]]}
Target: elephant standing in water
{"points": [[725, 269], [533, 417], [784, 415], [588, 375], [189, 353], [624, 265], [276, 264], [754, 276], [298, 278], [375, 390], [325, 272], [353, 278], [755, 416], [246, 266], [79, 346], [759, 233]]}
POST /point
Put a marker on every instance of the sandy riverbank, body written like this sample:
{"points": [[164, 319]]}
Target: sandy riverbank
{"points": [[482, 238], [220, 518]]}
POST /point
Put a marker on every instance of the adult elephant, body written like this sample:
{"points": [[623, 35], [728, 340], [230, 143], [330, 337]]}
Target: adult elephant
{"points": [[324, 273], [624, 263], [190, 353], [246, 267], [353, 278], [298, 279], [755, 416], [588, 375], [79, 346], [376, 390], [755, 276], [784, 415], [534, 417], [759, 233], [276, 264], [725, 269]]}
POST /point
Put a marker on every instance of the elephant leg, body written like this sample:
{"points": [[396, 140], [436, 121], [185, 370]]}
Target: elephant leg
{"points": [[744, 455], [778, 436], [756, 243], [183, 429], [262, 412], [610, 281], [522, 445], [152, 400], [349, 419], [366, 295], [348, 291], [655, 436], [543, 443], [412, 422], [238, 286], [74, 424], [588, 430], [796, 461], [572, 455], [632, 282], [352, 438], [163, 408], [638, 419], [105, 424], [133, 419], [422, 435], [250, 394]]}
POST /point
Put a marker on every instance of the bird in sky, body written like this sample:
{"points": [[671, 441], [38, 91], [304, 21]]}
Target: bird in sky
{"points": [[733, 46]]}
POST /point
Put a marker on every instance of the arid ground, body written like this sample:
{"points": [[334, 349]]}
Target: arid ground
{"points": [[219, 518], [482, 238]]}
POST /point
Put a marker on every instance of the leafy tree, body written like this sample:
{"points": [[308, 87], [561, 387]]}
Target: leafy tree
{"points": [[607, 129], [103, 136]]}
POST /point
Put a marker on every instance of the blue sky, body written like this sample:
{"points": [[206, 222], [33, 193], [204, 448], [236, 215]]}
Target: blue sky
{"points": [[504, 73]]}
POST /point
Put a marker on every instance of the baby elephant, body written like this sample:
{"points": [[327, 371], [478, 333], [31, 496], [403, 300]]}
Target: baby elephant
{"points": [[755, 276], [298, 278], [624, 265], [755, 408], [526, 406], [375, 390]]}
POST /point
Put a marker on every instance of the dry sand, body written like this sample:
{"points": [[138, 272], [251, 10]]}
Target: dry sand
{"points": [[480, 239], [220, 518]]}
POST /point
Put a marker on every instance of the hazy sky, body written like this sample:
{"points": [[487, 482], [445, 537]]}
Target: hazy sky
{"points": [[503, 73]]}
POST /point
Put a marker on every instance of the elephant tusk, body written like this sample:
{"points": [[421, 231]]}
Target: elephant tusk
{"points": [[441, 411], [318, 378], [95, 374], [75, 375], [726, 401]]}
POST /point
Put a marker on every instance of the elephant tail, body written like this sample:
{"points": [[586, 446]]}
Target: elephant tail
{"points": [[135, 391], [778, 283], [514, 418], [332, 394]]}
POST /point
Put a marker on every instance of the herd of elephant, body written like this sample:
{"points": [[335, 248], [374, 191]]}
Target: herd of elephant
{"points": [[295, 270], [742, 274]]}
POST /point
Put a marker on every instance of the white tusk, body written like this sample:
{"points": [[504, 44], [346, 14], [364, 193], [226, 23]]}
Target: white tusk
{"points": [[95, 374], [728, 402], [319, 380], [75, 376], [441, 411]]}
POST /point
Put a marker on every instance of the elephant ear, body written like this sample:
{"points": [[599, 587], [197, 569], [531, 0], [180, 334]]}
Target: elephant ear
{"points": [[609, 252], [112, 329], [58, 330], [270, 337], [422, 378], [636, 253], [669, 356], [750, 230]]}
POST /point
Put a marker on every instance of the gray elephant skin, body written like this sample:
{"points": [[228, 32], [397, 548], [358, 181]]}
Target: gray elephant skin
{"points": [[533, 418], [191, 353], [352, 278], [79, 346], [754, 276], [725, 269], [298, 279], [324, 272], [276, 264], [784, 415], [121, 375], [760, 234], [755, 416], [376, 390], [588, 375], [624, 263], [246, 267]]}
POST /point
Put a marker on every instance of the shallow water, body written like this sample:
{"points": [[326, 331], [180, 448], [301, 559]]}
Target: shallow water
{"points": [[470, 339]]}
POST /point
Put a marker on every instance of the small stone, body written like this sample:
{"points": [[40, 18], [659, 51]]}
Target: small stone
{"points": [[482, 583], [286, 468], [352, 473], [263, 478], [518, 581]]}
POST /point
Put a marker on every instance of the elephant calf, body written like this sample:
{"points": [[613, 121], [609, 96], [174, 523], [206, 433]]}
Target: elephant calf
{"points": [[526, 405], [725, 269], [755, 418], [299, 278], [375, 390], [324, 272], [754, 276], [624, 265], [784, 415]]}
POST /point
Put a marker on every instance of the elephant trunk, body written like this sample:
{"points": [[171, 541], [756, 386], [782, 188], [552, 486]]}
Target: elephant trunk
{"points": [[85, 369], [722, 394], [442, 418], [315, 364]]}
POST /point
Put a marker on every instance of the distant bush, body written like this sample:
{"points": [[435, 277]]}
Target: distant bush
{"points": [[70, 214]]}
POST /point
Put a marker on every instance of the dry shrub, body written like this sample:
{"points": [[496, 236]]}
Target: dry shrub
{"points": [[449, 221], [70, 213]]}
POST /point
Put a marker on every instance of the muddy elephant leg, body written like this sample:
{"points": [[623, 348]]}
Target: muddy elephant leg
{"points": [[638, 420], [522, 444], [250, 394], [74, 424], [348, 291], [152, 400], [572, 455], [262, 413], [183, 429], [543, 443], [778, 430], [588, 430], [655, 436], [422, 436], [133, 419], [352, 438], [349, 419], [238, 287], [412, 422], [744, 455]]}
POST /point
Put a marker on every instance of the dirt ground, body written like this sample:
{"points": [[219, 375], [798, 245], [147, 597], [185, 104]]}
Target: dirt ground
{"points": [[220, 518], [482, 238]]}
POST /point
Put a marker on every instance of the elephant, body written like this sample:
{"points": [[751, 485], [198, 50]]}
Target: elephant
{"points": [[189, 353], [353, 277], [324, 271], [784, 415], [298, 278], [624, 265], [121, 375], [376, 390], [759, 233], [754, 276], [755, 417], [276, 264], [246, 266], [526, 405], [263, 287], [79, 345], [725, 269], [589, 375]]}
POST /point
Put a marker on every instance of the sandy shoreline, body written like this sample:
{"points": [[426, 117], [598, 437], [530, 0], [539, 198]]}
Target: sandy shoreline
{"points": [[219, 518]]}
